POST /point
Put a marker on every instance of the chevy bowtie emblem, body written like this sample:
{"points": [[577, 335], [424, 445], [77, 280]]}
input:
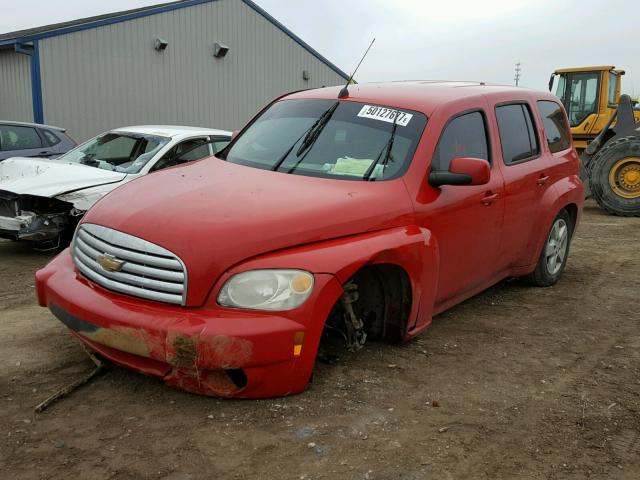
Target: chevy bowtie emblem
{"points": [[109, 263]]}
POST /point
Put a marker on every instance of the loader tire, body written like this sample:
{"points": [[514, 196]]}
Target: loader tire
{"points": [[614, 177]]}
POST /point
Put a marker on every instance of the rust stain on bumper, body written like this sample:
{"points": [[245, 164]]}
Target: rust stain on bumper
{"points": [[125, 339], [219, 351]]}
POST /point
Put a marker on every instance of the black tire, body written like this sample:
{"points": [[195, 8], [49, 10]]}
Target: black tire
{"points": [[584, 175], [599, 169], [542, 276]]}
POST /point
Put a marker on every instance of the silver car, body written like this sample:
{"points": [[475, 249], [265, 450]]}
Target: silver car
{"points": [[20, 139]]}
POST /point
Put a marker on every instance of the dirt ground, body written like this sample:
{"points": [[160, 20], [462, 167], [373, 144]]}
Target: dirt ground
{"points": [[516, 383]]}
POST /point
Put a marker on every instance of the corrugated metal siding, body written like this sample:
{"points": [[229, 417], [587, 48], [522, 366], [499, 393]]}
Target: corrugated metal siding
{"points": [[110, 76], [15, 87]]}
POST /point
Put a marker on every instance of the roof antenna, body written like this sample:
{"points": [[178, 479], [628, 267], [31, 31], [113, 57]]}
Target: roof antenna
{"points": [[344, 93]]}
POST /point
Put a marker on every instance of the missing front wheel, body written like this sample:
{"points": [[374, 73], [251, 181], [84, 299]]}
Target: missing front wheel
{"points": [[355, 335]]}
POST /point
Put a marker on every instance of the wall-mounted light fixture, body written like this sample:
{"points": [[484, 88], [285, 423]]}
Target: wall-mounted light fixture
{"points": [[306, 75], [220, 49], [160, 44]]}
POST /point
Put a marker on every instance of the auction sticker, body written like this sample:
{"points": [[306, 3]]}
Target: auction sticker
{"points": [[385, 114]]}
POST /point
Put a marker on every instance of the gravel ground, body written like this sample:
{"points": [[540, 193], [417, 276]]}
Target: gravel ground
{"points": [[516, 383]]}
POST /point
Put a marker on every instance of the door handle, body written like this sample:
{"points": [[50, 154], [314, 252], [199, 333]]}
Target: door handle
{"points": [[542, 180], [490, 198]]}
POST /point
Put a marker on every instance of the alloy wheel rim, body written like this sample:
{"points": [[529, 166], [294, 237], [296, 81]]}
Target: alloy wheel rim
{"points": [[556, 248]]}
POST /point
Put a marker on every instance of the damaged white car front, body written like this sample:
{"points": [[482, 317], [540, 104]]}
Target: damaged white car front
{"points": [[42, 200], [37, 219]]}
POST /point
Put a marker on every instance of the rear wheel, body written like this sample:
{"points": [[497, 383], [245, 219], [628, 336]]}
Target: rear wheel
{"points": [[555, 251], [615, 177]]}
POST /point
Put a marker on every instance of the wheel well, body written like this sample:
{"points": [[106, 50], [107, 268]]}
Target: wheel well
{"points": [[572, 210], [383, 302], [608, 136]]}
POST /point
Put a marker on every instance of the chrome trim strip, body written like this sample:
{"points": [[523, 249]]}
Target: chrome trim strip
{"points": [[132, 280], [149, 271], [129, 255], [129, 290], [132, 267]]}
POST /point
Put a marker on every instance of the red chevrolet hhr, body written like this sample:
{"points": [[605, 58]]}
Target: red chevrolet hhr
{"points": [[367, 212]]}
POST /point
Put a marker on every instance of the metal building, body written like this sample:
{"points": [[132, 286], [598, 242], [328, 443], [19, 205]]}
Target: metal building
{"points": [[164, 64]]}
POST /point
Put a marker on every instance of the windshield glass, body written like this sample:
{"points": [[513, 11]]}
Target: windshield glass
{"points": [[330, 139], [560, 87], [579, 94], [119, 152]]}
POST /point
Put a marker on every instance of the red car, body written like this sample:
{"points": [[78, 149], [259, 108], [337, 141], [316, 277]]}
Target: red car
{"points": [[365, 214]]}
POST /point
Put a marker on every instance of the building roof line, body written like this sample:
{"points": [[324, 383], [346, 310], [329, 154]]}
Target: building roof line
{"points": [[54, 30]]}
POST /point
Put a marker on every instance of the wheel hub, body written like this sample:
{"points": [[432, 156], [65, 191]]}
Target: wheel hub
{"points": [[624, 177]]}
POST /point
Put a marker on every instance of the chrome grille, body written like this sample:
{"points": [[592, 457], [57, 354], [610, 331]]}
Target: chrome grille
{"points": [[147, 270]]}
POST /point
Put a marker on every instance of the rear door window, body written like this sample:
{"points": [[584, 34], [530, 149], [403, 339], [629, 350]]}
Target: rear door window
{"points": [[14, 137], [517, 134], [464, 136], [555, 126]]}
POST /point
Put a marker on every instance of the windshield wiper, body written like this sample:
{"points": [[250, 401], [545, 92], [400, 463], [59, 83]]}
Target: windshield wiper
{"points": [[310, 136], [386, 150], [316, 129]]}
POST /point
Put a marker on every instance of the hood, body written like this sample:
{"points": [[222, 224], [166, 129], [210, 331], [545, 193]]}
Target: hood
{"points": [[214, 214], [48, 178]]}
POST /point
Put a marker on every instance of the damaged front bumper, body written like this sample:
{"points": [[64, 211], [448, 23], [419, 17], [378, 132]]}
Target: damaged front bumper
{"points": [[208, 350], [34, 218]]}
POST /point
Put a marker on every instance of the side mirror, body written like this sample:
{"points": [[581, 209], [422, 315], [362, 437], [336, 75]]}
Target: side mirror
{"points": [[553, 76], [234, 134], [462, 171]]}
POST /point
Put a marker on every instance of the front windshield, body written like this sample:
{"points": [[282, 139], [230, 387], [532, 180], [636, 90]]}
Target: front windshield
{"points": [[330, 139], [117, 151], [579, 95]]}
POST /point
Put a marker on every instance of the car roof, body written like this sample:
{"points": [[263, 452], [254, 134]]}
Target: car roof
{"points": [[29, 124], [171, 130], [421, 95]]}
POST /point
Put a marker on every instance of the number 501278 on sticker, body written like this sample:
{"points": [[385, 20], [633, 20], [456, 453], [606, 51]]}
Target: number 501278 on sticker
{"points": [[385, 114]]}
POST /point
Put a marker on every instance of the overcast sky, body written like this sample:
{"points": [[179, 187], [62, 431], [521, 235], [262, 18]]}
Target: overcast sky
{"points": [[428, 39]]}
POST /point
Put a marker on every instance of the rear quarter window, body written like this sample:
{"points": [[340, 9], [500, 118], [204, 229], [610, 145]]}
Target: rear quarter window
{"points": [[556, 129], [517, 134], [50, 137]]}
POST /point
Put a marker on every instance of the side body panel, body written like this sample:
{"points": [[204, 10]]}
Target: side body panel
{"points": [[562, 189], [526, 184], [413, 248], [465, 220]]}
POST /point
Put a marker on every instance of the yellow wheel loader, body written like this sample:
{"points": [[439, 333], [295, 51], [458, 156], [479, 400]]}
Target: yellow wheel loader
{"points": [[606, 131]]}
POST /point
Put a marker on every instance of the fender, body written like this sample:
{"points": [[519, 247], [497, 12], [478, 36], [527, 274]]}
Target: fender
{"points": [[412, 248], [566, 191]]}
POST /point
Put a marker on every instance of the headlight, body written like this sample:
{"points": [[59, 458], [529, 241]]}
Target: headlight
{"points": [[267, 289]]}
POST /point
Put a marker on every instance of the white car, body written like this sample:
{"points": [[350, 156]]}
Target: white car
{"points": [[42, 200]]}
